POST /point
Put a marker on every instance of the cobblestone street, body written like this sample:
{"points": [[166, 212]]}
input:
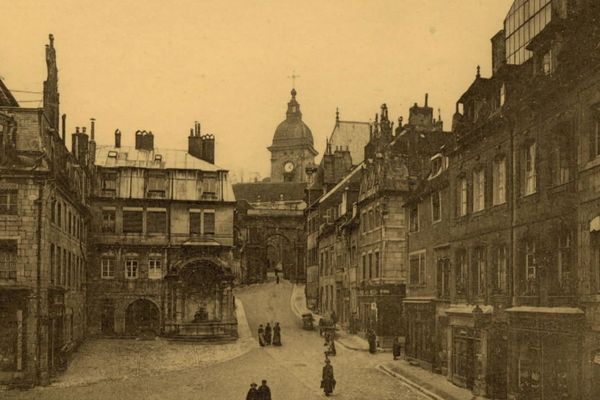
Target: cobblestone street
{"points": [[293, 370]]}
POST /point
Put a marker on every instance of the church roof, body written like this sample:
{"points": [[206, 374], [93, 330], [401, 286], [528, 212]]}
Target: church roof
{"points": [[269, 191], [353, 136], [292, 131], [6, 97]]}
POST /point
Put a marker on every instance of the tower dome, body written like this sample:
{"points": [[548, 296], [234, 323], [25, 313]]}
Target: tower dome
{"points": [[292, 131]]}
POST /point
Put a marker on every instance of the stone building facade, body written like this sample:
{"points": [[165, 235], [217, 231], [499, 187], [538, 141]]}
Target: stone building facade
{"points": [[520, 318], [44, 217], [162, 234]]}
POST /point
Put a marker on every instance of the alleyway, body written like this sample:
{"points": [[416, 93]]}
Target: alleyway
{"points": [[293, 370]]}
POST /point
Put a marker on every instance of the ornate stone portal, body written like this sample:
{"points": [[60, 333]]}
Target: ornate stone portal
{"points": [[198, 300]]}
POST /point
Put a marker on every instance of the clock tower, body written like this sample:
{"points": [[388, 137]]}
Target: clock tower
{"points": [[293, 148]]}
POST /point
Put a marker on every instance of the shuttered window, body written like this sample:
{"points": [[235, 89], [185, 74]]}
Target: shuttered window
{"points": [[8, 259], [8, 201], [209, 222], [132, 221], [156, 221], [195, 222]]}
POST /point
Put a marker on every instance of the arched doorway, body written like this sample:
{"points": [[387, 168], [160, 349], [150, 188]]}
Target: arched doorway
{"points": [[141, 317], [280, 253]]}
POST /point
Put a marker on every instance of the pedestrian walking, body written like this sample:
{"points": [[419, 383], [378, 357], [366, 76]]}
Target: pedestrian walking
{"points": [[276, 335], [372, 339], [268, 334], [264, 392], [277, 277], [261, 335], [327, 379], [396, 348], [252, 393]]}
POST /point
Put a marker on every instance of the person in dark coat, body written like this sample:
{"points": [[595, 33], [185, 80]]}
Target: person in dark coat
{"points": [[372, 342], [252, 393], [327, 379], [261, 335], [396, 348], [264, 392], [276, 335], [268, 333]]}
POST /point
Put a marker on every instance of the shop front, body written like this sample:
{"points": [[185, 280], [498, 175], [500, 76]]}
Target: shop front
{"points": [[545, 353], [380, 310]]}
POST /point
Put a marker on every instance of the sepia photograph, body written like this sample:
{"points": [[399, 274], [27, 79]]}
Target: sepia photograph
{"points": [[295, 200]]}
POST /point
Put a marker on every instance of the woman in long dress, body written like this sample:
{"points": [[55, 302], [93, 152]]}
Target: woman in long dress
{"points": [[268, 333], [261, 335], [327, 380], [276, 335]]}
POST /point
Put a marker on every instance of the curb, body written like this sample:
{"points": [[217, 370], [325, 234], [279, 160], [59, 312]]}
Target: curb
{"points": [[409, 383]]}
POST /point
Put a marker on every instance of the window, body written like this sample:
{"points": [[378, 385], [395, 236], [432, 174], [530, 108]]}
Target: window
{"points": [[209, 222], [58, 265], [417, 268], [478, 190], [108, 220], [363, 221], [154, 268], [370, 265], [8, 201], [548, 63], [502, 94], [530, 268], [499, 181], [462, 197], [479, 268], [500, 269], [364, 267], [564, 259], [109, 183], [561, 156], [436, 206], [157, 184], [530, 169], [107, 268], [195, 222], [377, 266], [8, 260], [443, 277], [59, 214], [52, 263], [133, 221], [414, 218], [209, 186], [131, 269], [156, 221], [595, 138], [63, 277], [461, 272]]}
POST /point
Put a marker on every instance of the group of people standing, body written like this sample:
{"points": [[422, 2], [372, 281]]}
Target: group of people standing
{"points": [[268, 335], [263, 392]]}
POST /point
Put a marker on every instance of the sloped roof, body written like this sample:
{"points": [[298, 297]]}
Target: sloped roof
{"points": [[353, 135], [169, 159], [269, 191], [6, 97]]}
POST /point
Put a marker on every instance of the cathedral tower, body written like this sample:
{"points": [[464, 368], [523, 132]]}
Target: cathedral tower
{"points": [[293, 148]]}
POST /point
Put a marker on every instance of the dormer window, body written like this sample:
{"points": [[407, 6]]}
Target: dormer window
{"points": [[112, 154], [548, 63], [437, 165]]}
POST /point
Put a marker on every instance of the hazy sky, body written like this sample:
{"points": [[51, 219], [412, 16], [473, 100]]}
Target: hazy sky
{"points": [[159, 65]]}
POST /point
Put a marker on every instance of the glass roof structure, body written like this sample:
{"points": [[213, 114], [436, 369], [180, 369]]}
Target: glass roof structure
{"points": [[524, 21]]}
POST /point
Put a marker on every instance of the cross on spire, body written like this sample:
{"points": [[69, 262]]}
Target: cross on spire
{"points": [[293, 78]]}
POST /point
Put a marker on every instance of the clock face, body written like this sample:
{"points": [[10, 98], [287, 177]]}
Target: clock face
{"points": [[288, 166]]}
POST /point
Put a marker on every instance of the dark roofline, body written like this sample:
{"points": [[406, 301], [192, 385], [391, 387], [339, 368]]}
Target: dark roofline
{"points": [[8, 94]]}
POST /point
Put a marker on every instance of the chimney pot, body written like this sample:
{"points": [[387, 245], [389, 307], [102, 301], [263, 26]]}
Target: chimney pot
{"points": [[92, 127], [426, 99]]}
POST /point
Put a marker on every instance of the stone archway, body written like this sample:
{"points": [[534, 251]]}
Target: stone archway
{"points": [[141, 316]]}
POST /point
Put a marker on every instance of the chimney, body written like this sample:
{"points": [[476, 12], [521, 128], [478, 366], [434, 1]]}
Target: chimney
{"points": [[208, 148], [195, 141], [64, 127], [426, 99], [79, 146], [118, 139], [92, 127], [498, 51]]}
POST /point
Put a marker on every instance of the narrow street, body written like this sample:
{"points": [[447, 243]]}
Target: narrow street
{"points": [[292, 371]]}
